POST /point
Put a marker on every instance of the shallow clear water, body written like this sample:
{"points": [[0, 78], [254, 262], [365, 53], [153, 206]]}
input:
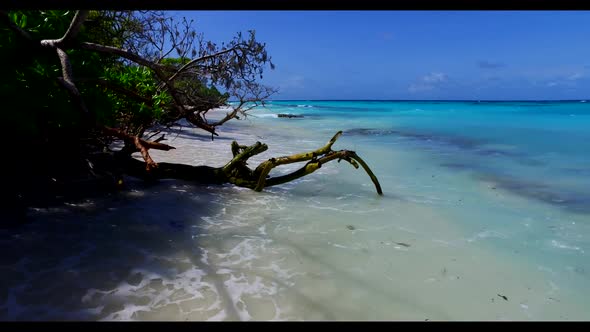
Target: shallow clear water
{"points": [[485, 217]]}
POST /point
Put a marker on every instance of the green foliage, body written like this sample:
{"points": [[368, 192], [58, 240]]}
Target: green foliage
{"points": [[149, 104], [28, 80], [116, 92]]}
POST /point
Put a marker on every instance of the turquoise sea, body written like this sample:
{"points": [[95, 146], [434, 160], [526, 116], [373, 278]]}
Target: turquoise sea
{"points": [[536, 149], [485, 216]]}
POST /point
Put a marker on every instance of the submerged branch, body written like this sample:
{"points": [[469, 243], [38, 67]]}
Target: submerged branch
{"points": [[241, 157], [354, 156], [316, 159], [265, 167], [312, 166]]}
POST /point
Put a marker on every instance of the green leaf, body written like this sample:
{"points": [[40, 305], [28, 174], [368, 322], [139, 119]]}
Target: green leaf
{"points": [[23, 22]]}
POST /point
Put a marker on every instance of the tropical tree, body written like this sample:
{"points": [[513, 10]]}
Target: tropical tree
{"points": [[80, 80]]}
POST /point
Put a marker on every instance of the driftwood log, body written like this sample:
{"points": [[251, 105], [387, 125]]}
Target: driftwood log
{"points": [[237, 172]]}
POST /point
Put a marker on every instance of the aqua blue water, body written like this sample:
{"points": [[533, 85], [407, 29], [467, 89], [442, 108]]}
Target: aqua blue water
{"points": [[538, 149], [535, 151]]}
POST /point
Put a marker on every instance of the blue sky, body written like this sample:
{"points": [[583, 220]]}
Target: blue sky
{"points": [[487, 55]]}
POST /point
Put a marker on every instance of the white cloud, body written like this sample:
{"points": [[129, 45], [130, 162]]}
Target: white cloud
{"points": [[434, 78], [569, 80], [575, 76], [428, 82]]}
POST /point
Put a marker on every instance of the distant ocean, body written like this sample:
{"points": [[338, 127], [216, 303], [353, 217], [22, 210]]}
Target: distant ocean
{"points": [[485, 216]]}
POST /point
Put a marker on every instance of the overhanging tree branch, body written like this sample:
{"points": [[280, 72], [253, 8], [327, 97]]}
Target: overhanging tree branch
{"points": [[203, 58], [123, 53], [67, 81]]}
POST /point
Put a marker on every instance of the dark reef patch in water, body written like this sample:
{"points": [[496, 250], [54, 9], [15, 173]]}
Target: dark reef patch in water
{"points": [[457, 141], [289, 115], [458, 166], [369, 132], [436, 141], [565, 199], [576, 171]]}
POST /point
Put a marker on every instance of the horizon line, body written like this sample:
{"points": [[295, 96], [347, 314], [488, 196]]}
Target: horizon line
{"points": [[436, 100]]}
